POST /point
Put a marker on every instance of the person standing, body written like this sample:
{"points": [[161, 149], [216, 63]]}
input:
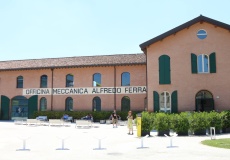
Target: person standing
{"points": [[114, 119], [130, 122]]}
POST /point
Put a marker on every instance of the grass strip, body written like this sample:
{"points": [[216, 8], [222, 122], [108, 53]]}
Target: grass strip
{"points": [[220, 143]]}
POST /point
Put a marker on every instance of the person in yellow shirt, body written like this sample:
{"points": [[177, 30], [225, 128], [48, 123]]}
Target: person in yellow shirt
{"points": [[130, 122]]}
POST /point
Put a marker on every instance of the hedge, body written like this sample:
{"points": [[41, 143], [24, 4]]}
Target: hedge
{"points": [[97, 115], [183, 121]]}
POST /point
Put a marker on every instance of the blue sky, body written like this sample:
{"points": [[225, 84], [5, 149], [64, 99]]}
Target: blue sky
{"points": [[34, 29]]}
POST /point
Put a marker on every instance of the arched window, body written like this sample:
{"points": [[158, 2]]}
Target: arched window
{"points": [[125, 79], [96, 104], [125, 103], [203, 94], [97, 80], [43, 81], [69, 80], [165, 102], [69, 104], [164, 70], [19, 82], [43, 104], [203, 63]]}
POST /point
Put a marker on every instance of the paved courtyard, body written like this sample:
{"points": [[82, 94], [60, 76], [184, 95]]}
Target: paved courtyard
{"points": [[44, 140]]}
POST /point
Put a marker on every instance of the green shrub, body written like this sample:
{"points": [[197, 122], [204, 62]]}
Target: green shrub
{"points": [[214, 120], [161, 122], [225, 119], [101, 115], [198, 121], [97, 115], [124, 114], [147, 120], [179, 122], [75, 114]]}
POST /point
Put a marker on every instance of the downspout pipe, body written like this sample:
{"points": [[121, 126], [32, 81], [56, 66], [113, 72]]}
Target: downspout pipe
{"points": [[147, 105], [52, 82], [115, 85]]}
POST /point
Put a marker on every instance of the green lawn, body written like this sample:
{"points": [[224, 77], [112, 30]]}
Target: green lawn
{"points": [[220, 143]]}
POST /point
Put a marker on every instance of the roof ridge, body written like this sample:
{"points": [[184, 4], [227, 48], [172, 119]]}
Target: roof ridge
{"points": [[81, 61], [69, 57], [183, 26]]}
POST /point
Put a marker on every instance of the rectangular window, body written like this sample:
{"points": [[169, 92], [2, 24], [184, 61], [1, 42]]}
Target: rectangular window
{"points": [[69, 80], [165, 102], [97, 80], [125, 79], [43, 81], [20, 82], [203, 63]]}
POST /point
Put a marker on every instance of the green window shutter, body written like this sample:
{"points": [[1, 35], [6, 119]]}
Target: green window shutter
{"points": [[161, 70], [164, 70], [194, 63], [5, 108], [212, 62], [167, 70], [32, 105], [174, 102], [156, 105]]}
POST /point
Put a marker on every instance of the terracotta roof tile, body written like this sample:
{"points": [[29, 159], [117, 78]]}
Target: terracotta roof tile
{"points": [[83, 61]]}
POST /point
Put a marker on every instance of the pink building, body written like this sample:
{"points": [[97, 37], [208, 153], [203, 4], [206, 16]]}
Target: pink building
{"points": [[73, 84], [187, 67], [184, 69]]}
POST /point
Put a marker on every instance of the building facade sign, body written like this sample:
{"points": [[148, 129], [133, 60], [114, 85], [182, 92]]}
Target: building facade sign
{"points": [[86, 91]]}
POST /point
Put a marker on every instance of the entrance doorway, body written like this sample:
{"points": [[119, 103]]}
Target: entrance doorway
{"points": [[204, 101], [19, 107]]}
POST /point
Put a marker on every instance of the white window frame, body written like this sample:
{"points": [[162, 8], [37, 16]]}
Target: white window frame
{"points": [[164, 108], [202, 60]]}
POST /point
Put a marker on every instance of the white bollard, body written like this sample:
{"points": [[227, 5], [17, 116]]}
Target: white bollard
{"points": [[62, 143], [170, 140], [99, 143], [213, 136], [23, 144], [142, 142]]}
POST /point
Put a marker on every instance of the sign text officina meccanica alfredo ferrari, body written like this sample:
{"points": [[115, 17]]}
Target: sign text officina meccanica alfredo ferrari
{"points": [[86, 91]]}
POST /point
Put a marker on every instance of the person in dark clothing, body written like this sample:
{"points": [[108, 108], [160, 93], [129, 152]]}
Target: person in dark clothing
{"points": [[114, 119]]}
